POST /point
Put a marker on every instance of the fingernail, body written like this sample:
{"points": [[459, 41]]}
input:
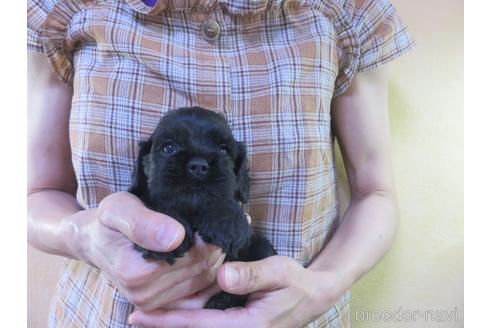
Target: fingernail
{"points": [[167, 237], [231, 276], [131, 319]]}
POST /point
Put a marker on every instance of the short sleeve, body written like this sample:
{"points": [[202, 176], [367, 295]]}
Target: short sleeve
{"points": [[37, 10], [371, 34], [48, 22]]}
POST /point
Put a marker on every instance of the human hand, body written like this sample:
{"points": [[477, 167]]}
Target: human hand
{"points": [[106, 238], [284, 294]]}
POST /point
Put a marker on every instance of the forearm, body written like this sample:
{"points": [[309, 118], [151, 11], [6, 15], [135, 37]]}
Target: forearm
{"points": [[361, 124], [51, 180], [363, 237], [51, 217]]}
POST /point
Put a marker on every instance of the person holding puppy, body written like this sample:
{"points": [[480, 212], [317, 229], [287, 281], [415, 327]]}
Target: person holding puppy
{"points": [[287, 75]]}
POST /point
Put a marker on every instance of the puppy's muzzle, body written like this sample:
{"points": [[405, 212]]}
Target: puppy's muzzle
{"points": [[197, 168]]}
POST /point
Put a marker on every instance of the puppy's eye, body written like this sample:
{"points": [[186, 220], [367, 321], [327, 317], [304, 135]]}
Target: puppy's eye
{"points": [[169, 148], [224, 149]]}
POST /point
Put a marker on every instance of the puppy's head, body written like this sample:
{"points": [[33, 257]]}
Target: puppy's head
{"points": [[192, 152]]}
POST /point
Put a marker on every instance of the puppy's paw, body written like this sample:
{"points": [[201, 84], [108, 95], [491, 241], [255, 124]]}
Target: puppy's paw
{"points": [[226, 226], [169, 257], [223, 300]]}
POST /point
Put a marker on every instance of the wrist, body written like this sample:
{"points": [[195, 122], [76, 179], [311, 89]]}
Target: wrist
{"points": [[332, 284], [76, 235]]}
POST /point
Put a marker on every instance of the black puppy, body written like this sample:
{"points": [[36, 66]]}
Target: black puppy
{"points": [[193, 170]]}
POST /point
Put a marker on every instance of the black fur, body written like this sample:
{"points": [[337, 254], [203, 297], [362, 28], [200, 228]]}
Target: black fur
{"points": [[193, 170]]}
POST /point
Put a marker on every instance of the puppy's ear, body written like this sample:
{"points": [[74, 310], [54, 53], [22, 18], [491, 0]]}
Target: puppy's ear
{"points": [[242, 174], [139, 178]]}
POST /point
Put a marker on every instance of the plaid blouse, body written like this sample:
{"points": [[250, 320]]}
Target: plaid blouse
{"points": [[271, 67]]}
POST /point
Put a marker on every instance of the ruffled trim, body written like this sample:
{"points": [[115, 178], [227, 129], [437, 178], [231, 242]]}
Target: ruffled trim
{"points": [[57, 43], [142, 8], [360, 47], [233, 7]]}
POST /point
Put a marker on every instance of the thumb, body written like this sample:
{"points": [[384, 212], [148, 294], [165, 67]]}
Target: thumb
{"points": [[151, 230], [241, 278]]}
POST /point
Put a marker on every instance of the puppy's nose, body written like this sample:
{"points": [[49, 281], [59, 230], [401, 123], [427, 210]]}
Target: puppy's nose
{"points": [[197, 167]]}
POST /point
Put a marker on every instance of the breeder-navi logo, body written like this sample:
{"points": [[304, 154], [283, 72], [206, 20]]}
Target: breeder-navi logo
{"points": [[406, 315]]}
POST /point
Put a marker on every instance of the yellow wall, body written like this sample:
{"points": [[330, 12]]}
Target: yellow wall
{"points": [[424, 270]]}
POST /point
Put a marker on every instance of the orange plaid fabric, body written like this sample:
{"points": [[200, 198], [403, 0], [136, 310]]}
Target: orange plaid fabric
{"points": [[271, 67]]}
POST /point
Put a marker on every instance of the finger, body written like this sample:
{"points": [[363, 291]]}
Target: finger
{"points": [[177, 275], [195, 301], [151, 230], [209, 256], [205, 247], [183, 289], [201, 252], [190, 318], [168, 286], [247, 277], [200, 258]]}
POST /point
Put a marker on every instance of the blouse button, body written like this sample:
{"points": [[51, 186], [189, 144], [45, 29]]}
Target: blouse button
{"points": [[211, 30]]}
